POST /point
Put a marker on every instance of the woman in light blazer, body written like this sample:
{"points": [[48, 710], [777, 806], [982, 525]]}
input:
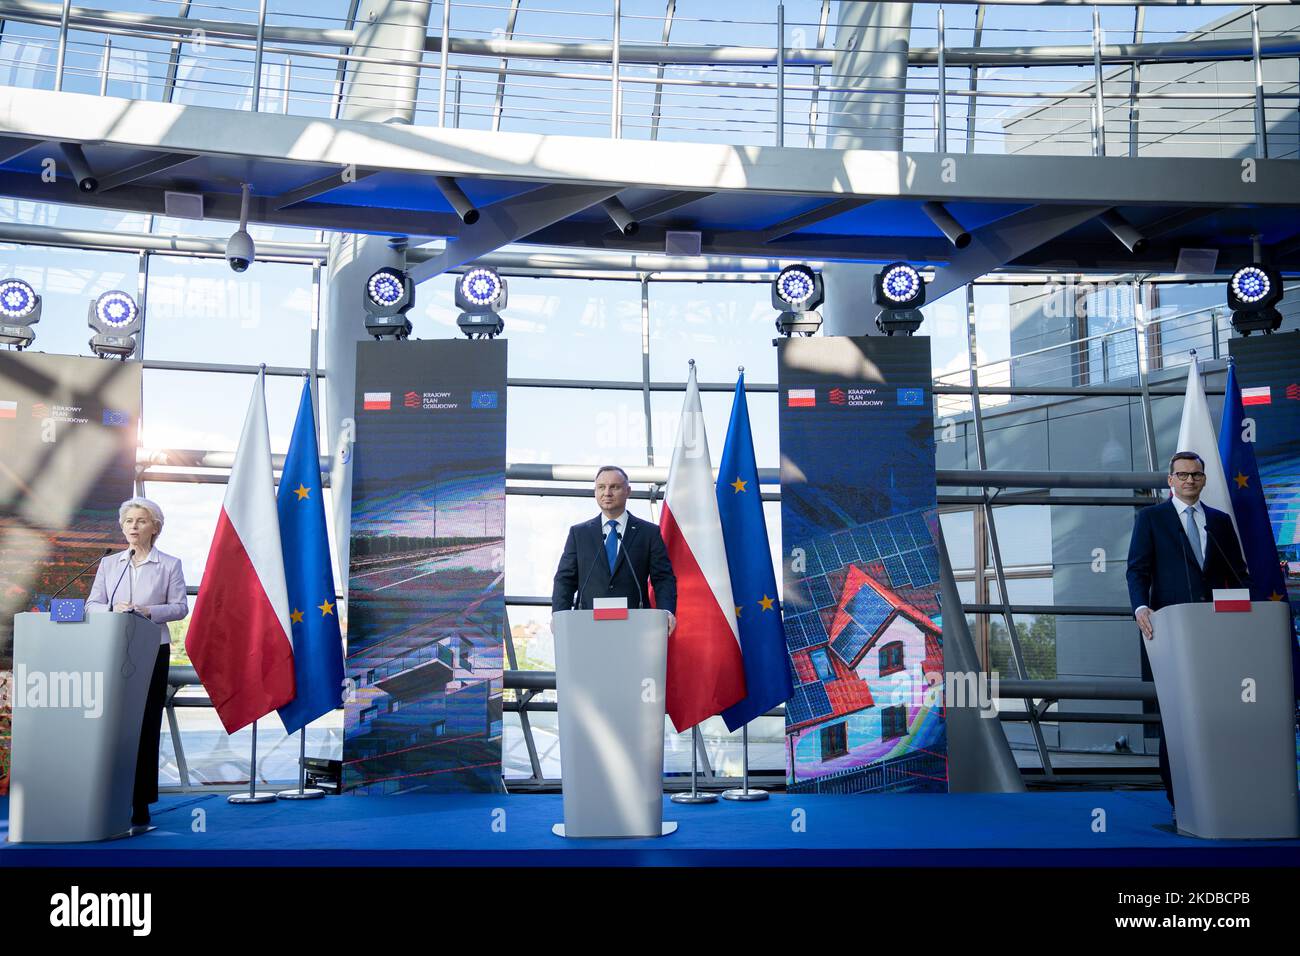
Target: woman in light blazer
{"points": [[148, 582]]}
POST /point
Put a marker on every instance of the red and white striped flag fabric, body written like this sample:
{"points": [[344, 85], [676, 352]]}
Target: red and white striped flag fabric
{"points": [[239, 637], [706, 673], [1231, 599]]}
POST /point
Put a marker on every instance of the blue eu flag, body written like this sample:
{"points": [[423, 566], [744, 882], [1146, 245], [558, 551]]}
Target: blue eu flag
{"points": [[753, 583], [1258, 545], [313, 611]]}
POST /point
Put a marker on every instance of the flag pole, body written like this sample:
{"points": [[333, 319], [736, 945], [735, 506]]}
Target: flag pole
{"points": [[695, 796], [744, 793], [253, 796], [303, 792]]}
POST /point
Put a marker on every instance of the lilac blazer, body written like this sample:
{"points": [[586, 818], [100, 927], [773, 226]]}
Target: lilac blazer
{"points": [[160, 588]]}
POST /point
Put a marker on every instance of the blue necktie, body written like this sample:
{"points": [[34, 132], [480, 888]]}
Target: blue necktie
{"points": [[1194, 535], [611, 543]]}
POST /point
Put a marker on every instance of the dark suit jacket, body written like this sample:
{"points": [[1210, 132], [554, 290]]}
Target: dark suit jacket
{"points": [[1162, 569], [642, 559]]}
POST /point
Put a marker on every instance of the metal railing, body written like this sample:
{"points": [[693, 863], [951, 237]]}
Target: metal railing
{"points": [[1073, 88]]}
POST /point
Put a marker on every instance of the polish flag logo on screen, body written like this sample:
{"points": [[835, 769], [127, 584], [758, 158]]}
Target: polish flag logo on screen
{"points": [[378, 401], [803, 397], [1257, 396], [609, 609], [1231, 599], [8, 409]]}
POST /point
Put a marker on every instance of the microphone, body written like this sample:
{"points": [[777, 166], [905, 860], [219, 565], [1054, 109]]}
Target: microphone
{"points": [[130, 554], [577, 598], [640, 598], [107, 552], [1226, 559]]}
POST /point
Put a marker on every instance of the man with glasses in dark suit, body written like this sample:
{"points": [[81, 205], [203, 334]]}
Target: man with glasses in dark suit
{"points": [[1181, 550]]}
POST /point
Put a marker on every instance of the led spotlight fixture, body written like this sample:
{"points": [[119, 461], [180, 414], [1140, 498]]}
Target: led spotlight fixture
{"points": [[115, 319], [1253, 294], [900, 293], [481, 294], [796, 293], [20, 309], [389, 295]]}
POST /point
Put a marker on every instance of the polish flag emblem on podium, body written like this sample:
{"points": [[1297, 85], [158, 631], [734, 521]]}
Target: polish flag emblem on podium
{"points": [[609, 609], [1231, 599]]}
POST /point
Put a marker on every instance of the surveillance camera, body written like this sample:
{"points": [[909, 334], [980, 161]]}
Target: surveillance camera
{"points": [[240, 250]]}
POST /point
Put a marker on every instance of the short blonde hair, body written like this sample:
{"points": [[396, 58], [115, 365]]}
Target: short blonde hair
{"points": [[143, 503]]}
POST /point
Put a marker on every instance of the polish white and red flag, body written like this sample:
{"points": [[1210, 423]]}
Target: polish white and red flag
{"points": [[706, 673], [1231, 599], [239, 636], [1257, 396]]}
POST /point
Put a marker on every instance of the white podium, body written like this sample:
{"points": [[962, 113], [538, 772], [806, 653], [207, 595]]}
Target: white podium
{"points": [[1228, 705], [79, 695], [609, 681]]}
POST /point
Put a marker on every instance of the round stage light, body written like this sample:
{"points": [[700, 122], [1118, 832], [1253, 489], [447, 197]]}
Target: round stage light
{"points": [[1250, 284], [386, 288], [796, 285], [116, 309], [17, 299], [481, 287], [900, 284]]}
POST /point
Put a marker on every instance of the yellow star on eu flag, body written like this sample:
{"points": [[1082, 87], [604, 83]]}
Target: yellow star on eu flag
{"points": [[326, 608], [739, 485], [738, 609], [296, 616], [1275, 596], [302, 491], [1241, 480], [766, 602]]}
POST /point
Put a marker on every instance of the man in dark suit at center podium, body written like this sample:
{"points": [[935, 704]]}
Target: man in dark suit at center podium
{"points": [[614, 555], [1181, 550]]}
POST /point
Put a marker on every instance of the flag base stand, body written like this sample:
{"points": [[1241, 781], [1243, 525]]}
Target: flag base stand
{"points": [[251, 797], [302, 791], [311, 793], [695, 796], [744, 792]]}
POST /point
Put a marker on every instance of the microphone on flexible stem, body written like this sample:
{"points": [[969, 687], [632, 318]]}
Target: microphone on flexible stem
{"points": [[640, 598], [577, 598], [1226, 559], [129, 555], [107, 552]]}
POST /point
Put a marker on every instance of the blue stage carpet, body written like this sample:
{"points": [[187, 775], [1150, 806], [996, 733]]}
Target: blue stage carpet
{"points": [[1033, 829]]}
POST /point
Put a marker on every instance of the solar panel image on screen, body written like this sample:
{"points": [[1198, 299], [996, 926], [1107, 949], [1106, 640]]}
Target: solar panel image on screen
{"points": [[819, 592], [851, 641], [808, 703]]}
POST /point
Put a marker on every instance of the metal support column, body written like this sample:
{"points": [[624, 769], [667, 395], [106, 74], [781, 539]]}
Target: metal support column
{"points": [[942, 143], [616, 93], [257, 55], [1017, 655], [1099, 102], [1261, 117], [780, 74]]}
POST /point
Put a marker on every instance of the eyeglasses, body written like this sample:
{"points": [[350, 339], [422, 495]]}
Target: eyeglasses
{"points": [[1189, 475]]}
